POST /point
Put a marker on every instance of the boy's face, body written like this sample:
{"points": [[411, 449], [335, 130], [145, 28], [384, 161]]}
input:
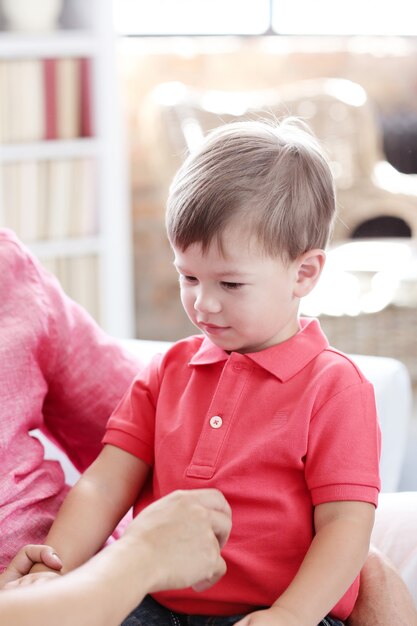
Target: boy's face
{"points": [[243, 301]]}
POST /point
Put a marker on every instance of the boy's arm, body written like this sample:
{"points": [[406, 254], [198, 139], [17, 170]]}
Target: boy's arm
{"points": [[95, 505], [335, 557]]}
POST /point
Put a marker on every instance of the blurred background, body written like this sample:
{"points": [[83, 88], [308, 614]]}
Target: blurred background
{"points": [[349, 69], [100, 101]]}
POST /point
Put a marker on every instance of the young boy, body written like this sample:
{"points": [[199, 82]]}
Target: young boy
{"points": [[258, 405]]}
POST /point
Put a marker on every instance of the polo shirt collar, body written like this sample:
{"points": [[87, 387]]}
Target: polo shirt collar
{"points": [[283, 360]]}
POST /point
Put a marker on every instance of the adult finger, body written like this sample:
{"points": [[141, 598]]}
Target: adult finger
{"points": [[206, 583], [222, 526], [219, 509], [212, 499]]}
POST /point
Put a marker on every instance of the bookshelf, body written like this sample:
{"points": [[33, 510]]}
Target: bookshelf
{"points": [[63, 172]]}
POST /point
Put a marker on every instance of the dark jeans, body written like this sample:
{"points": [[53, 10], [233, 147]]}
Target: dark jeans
{"points": [[150, 613]]}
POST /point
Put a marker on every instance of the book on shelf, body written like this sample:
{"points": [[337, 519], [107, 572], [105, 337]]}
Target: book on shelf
{"points": [[84, 210], [72, 198], [84, 283], [51, 104], [45, 99], [79, 277], [23, 101], [22, 199], [28, 200], [3, 102], [62, 265], [9, 201], [51, 266], [86, 98], [43, 200], [59, 198], [68, 94], [42, 216], [31, 102]]}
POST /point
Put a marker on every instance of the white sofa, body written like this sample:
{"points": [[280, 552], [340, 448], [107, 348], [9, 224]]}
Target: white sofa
{"points": [[395, 531]]}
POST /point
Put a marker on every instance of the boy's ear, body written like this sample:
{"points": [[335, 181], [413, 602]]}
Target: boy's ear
{"points": [[310, 265]]}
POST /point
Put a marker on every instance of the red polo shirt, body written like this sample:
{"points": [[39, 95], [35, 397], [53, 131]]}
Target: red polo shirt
{"points": [[277, 431]]}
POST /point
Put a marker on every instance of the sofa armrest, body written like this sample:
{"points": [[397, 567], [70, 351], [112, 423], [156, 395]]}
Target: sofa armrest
{"points": [[393, 395]]}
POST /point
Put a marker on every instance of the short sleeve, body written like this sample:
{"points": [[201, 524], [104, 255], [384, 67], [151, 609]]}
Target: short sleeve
{"points": [[132, 425], [344, 447]]}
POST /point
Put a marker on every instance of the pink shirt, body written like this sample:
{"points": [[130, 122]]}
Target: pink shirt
{"points": [[58, 372], [277, 431]]}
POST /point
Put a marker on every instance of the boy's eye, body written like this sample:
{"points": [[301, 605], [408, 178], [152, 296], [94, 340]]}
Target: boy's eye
{"points": [[188, 279], [229, 285]]}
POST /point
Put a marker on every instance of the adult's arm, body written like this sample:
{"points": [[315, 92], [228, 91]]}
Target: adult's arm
{"points": [[383, 598], [67, 373], [388, 590], [87, 374], [174, 543], [59, 373]]}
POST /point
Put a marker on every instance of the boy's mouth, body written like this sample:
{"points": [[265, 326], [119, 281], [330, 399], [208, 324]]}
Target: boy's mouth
{"points": [[212, 329]]}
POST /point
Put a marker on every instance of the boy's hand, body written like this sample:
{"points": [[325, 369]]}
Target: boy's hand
{"points": [[25, 559], [274, 616]]}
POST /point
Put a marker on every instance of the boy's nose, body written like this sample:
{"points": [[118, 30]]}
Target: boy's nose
{"points": [[206, 302]]}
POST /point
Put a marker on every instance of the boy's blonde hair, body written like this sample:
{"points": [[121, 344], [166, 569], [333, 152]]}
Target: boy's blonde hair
{"points": [[273, 177]]}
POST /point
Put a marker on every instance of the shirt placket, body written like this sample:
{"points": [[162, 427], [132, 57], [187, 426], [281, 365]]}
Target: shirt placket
{"points": [[220, 415]]}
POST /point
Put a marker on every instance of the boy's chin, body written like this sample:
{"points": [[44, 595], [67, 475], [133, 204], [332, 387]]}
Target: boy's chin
{"points": [[228, 346]]}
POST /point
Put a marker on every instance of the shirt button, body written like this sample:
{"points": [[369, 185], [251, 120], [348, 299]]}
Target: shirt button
{"points": [[216, 421]]}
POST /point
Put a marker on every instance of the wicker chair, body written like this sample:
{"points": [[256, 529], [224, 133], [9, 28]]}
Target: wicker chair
{"points": [[337, 110]]}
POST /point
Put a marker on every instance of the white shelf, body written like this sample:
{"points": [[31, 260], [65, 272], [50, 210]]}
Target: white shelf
{"points": [[54, 149], [87, 31], [61, 43], [67, 247]]}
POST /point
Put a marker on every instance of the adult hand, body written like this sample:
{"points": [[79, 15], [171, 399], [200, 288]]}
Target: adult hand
{"points": [[185, 532], [25, 559], [173, 543]]}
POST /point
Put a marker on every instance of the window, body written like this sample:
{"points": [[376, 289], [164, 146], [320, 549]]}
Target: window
{"points": [[256, 17], [192, 17], [343, 17]]}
